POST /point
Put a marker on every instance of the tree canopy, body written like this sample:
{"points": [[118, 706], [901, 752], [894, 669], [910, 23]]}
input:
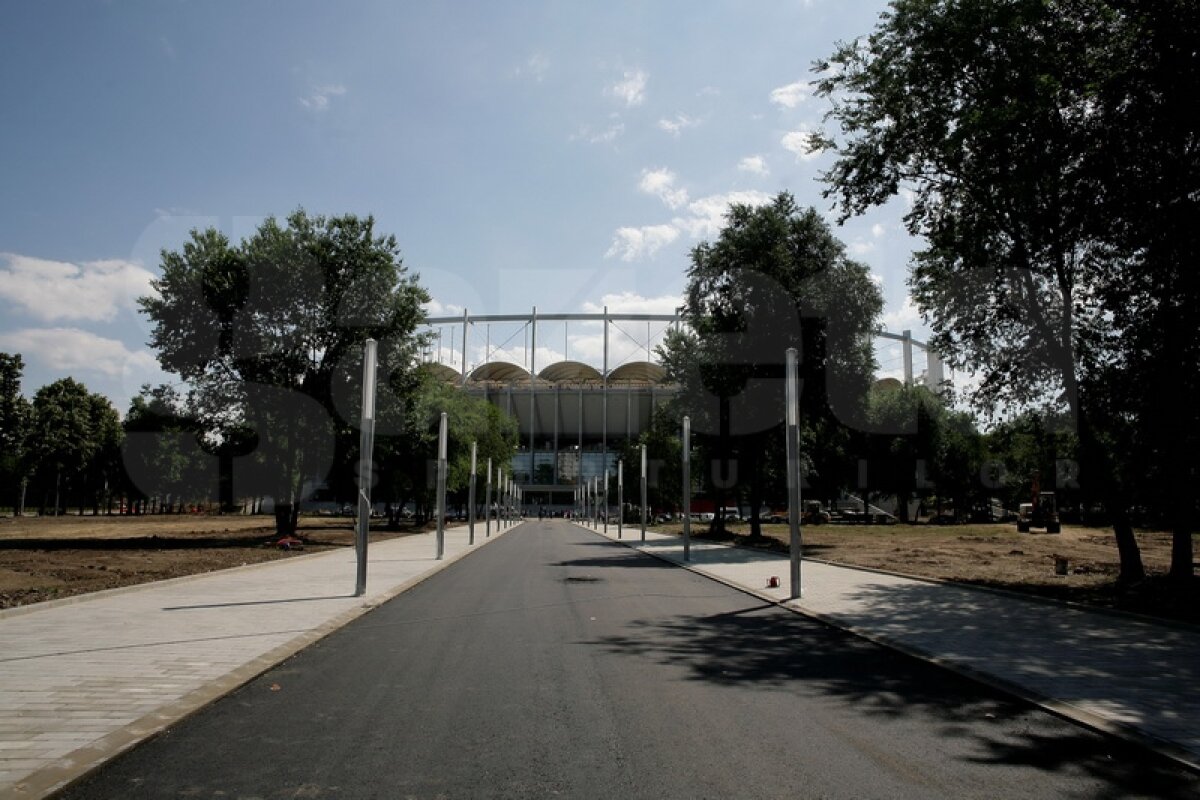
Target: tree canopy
{"points": [[1016, 127], [775, 278], [268, 333]]}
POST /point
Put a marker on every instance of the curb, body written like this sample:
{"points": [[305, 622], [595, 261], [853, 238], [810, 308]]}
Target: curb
{"points": [[78, 764], [1163, 748]]}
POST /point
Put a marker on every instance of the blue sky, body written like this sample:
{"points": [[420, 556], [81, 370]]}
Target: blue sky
{"points": [[552, 154]]}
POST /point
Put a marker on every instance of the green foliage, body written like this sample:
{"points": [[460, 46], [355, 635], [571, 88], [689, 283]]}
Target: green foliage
{"points": [[981, 110], [268, 334], [775, 278], [407, 460], [162, 453], [14, 419], [1054, 175], [664, 456], [72, 444]]}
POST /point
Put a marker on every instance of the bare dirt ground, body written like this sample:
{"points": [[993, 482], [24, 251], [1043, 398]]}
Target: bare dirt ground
{"points": [[51, 557], [46, 558], [999, 557]]}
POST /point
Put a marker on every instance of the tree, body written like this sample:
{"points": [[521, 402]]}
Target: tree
{"points": [[985, 111], [407, 461], [664, 462], [775, 278], [70, 436], [163, 455], [269, 334], [1149, 168], [14, 419]]}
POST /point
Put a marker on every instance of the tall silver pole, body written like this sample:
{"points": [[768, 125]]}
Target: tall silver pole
{"points": [[487, 502], [471, 497], [793, 469], [441, 489], [466, 321], [620, 498], [605, 496], [687, 488], [643, 493], [366, 444]]}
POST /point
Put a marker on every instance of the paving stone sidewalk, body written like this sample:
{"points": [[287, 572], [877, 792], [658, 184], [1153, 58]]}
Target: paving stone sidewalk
{"points": [[84, 678], [1125, 675]]}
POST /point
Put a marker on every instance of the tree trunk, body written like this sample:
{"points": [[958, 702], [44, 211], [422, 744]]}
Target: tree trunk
{"points": [[1132, 569], [1182, 556], [1098, 477], [285, 524]]}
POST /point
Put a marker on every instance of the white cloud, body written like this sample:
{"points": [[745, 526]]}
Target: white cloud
{"points": [[72, 349], [58, 290], [592, 136], [536, 67], [801, 143], [631, 89], [435, 308], [791, 95], [707, 215], [661, 184], [878, 230], [675, 126], [633, 303], [318, 99], [756, 165], [860, 248], [906, 317], [630, 244]]}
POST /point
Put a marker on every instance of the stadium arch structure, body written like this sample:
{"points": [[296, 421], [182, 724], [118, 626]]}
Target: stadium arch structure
{"points": [[573, 417]]}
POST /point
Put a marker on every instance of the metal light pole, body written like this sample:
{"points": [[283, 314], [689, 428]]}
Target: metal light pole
{"points": [[643, 493], [471, 499], [487, 502], [793, 469], [441, 488], [620, 498], [606, 501], [366, 443], [687, 488]]}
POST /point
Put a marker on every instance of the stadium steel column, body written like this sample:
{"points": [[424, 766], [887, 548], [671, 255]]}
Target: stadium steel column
{"points": [[604, 400], [464, 347], [532, 392]]}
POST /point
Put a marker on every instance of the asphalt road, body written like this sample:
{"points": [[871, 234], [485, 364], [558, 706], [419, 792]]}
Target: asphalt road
{"points": [[552, 663]]}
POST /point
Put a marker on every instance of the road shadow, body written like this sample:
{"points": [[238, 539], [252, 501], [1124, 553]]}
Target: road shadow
{"points": [[1068, 653], [761, 647], [628, 558]]}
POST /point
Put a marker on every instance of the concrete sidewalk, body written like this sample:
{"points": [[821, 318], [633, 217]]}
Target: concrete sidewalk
{"points": [[1120, 674], [84, 678]]}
